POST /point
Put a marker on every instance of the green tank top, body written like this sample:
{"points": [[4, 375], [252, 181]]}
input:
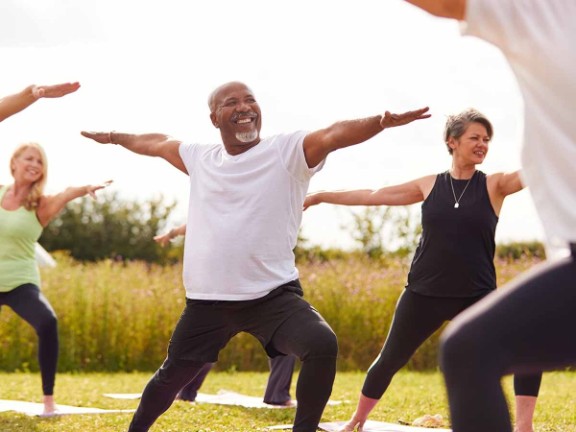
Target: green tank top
{"points": [[19, 232]]}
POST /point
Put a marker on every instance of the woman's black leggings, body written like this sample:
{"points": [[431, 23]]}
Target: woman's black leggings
{"points": [[527, 326], [30, 304], [416, 318]]}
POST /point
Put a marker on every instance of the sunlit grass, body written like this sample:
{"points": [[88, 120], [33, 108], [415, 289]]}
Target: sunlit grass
{"points": [[411, 395]]}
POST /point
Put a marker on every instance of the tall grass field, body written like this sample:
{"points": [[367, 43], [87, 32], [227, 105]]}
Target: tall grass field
{"points": [[116, 316]]}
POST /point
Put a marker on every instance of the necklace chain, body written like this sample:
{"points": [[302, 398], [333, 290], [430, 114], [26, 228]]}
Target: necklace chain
{"points": [[457, 201]]}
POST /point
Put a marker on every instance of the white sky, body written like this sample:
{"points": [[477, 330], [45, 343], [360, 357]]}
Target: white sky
{"points": [[148, 66]]}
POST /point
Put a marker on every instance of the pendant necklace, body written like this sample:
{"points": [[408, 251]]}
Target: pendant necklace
{"points": [[457, 201]]}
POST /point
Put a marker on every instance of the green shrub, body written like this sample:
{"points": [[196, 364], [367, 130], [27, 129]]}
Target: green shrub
{"points": [[93, 230], [519, 250]]}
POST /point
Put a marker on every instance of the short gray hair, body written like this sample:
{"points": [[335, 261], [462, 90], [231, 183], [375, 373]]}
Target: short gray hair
{"points": [[457, 124]]}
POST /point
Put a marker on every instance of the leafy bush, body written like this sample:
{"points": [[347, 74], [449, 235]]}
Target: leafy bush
{"points": [[519, 250], [108, 227]]}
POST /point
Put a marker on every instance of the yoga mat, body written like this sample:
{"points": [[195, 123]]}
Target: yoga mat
{"points": [[35, 409], [123, 395], [223, 397], [376, 426]]}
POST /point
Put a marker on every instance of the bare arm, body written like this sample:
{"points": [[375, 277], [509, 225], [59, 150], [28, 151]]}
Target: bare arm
{"points": [[317, 145], [403, 194], [509, 183], [15, 103], [164, 239], [500, 185], [443, 8], [51, 205], [152, 144]]}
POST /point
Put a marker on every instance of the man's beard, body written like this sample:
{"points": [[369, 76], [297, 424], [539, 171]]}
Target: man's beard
{"points": [[247, 137]]}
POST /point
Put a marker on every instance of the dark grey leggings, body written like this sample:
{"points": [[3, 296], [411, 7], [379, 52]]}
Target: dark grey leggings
{"points": [[277, 389], [304, 334], [416, 318], [31, 305], [527, 326], [278, 385]]}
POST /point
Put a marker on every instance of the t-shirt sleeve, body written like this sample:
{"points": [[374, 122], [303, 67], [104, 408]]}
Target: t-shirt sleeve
{"points": [[187, 153], [291, 149], [507, 24]]}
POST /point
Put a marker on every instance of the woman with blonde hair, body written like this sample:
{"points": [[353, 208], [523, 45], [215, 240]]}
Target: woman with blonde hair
{"points": [[20, 222], [24, 211]]}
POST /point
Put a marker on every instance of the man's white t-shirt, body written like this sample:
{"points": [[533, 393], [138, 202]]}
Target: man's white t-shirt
{"points": [[538, 38], [243, 219]]}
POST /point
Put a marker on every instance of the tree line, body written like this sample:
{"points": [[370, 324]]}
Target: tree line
{"points": [[123, 230]]}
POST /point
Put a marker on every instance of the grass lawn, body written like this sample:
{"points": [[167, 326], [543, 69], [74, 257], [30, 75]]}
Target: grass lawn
{"points": [[411, 395]]}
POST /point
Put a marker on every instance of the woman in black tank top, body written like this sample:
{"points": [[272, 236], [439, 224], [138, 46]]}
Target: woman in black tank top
{"points": [[453, 266]]}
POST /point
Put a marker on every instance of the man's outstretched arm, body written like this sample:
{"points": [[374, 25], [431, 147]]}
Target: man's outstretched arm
{"points": [[317, 145], [151, 144], [443, 8]]}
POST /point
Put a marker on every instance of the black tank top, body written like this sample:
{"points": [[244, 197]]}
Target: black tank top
{"points": [[455, 256]]}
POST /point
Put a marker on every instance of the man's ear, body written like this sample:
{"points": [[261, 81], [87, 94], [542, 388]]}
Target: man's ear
{"points": [[213, 120]]}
